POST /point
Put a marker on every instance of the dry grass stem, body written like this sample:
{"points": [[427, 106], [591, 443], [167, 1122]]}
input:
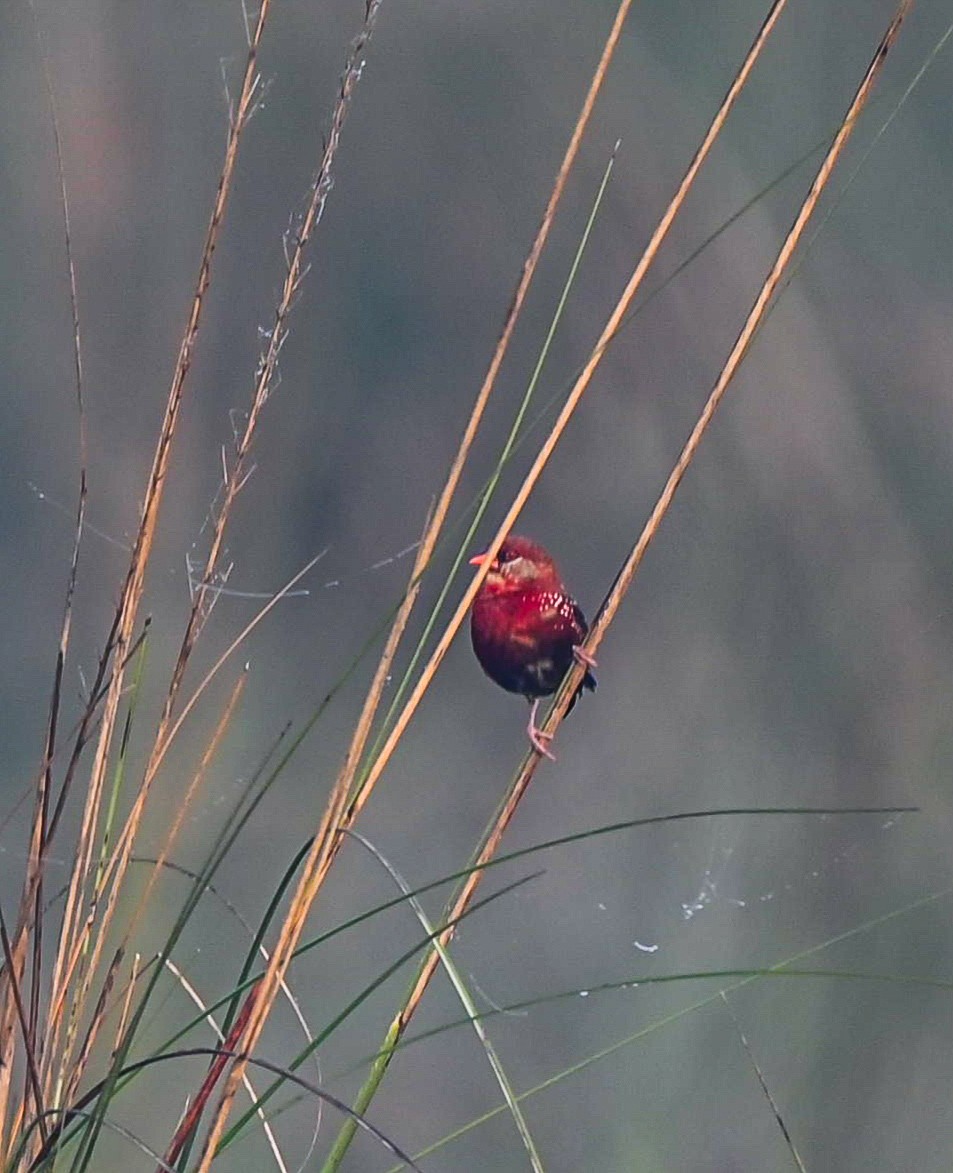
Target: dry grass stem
{"points": [[78, 1068], [33, 1078], [185, 806], [30, 914], [127, 1001], [44, 827], [741, 346], [216, 1067], [200, 1005], [328, 839], [172, 730], [530, 265]]}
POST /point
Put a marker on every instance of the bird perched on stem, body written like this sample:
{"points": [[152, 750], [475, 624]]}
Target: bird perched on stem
{"points": [[526, 629]]}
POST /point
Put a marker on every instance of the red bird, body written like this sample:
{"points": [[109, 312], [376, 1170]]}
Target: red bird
{"points": [[526, 629]]}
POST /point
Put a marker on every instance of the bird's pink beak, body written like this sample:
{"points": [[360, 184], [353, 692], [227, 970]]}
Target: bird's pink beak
{"points": [[478, 559]]}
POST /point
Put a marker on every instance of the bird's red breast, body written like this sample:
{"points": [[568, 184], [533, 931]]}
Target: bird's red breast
{"points": [[524, 624]]}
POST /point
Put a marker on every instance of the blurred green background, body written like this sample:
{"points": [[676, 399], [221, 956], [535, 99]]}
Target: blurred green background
{"points": [[789, 640]]}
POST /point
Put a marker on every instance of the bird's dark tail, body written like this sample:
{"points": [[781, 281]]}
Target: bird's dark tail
{"points": [[588, 682]]}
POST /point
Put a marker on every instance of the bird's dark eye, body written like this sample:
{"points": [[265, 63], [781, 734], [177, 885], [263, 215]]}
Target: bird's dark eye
{"points": [[505, 556]]}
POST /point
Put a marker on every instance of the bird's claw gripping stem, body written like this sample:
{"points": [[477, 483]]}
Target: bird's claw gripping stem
{"points": [[581, 656], [537, 738]]}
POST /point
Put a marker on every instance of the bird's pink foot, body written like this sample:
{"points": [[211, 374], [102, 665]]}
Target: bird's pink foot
{"points": [[537, 738], [581, 656], [540, 742]]}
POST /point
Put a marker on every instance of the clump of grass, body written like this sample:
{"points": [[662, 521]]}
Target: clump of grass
{"points": [[75, 989]]}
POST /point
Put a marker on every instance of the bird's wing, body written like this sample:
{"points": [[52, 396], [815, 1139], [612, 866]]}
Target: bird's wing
{"points": [[580, 619]]}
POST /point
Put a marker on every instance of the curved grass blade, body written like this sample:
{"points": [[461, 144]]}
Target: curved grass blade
{"points": [[469, 1006]]}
